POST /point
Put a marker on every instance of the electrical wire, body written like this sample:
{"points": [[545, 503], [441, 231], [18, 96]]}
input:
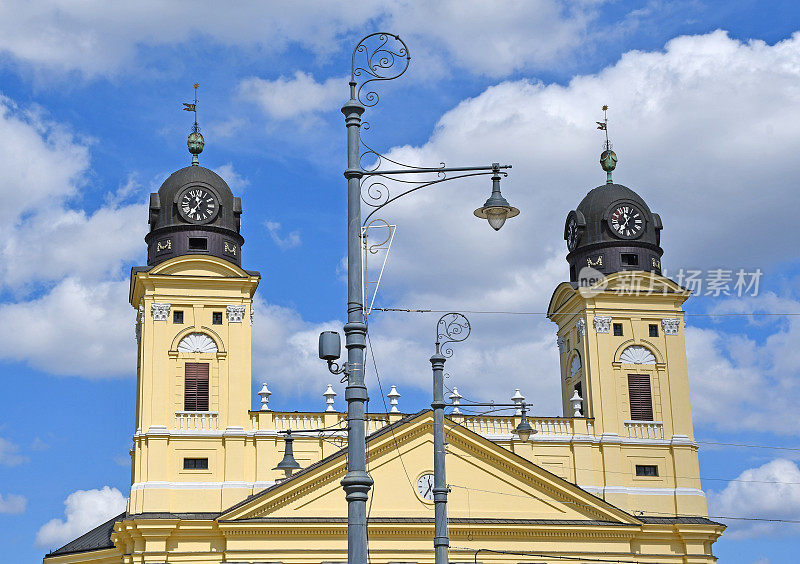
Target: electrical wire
{"points": [[642, 513], [600, 310], [394, 437]]}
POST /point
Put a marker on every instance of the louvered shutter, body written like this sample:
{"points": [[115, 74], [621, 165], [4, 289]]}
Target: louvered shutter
{"points": [[195, 397], [641, 398]]}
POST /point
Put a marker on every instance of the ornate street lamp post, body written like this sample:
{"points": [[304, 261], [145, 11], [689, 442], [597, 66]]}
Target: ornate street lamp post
{"points": [[377, 57], [453, 328]]}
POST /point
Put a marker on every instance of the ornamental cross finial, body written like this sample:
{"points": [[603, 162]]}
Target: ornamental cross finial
{"points": [[608, 159]]}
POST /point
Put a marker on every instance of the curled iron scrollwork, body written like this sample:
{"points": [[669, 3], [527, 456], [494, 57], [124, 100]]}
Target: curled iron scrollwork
{"points": [[379, 56], [379, 224], [451, 328]]}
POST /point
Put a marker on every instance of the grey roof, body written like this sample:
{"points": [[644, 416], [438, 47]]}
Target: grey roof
{"points": [[96, 539], [679, 520]]}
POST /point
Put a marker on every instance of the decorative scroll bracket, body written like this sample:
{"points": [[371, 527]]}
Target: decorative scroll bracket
{"points": [[382, 247]]}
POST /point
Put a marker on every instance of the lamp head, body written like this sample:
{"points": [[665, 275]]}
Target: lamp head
{"points": [[288, 464], [524, 430], [496, 209]]}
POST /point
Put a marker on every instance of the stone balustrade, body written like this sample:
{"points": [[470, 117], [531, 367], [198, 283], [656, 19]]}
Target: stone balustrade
{"points": [[644, 429], [197, 420]]}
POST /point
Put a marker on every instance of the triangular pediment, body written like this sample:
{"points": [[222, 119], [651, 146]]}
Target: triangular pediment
{"points": [[486, 480]]}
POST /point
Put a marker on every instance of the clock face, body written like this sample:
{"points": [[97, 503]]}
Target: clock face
{"points": [[626, 221], [425, 487], [572, 233], [198, 205]]}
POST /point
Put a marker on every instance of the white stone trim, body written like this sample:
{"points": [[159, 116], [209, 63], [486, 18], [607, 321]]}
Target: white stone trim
{"points": [[160, 312], [602, 323], [581, 325], [561, 342], [236, 313], [600, 490], [158, 485], [671, 326]]}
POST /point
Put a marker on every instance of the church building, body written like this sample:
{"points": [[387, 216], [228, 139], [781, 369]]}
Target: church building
{"points": [[614, 477]]}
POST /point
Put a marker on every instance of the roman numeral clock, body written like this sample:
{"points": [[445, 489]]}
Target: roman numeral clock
{"points": [[198, 205]]}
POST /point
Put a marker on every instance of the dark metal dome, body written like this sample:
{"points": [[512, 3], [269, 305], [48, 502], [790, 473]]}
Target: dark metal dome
{"points": [[613, 229], [194, 212]]}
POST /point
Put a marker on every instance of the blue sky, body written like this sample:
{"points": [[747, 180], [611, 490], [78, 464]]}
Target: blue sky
{"points": [[705, 107]]}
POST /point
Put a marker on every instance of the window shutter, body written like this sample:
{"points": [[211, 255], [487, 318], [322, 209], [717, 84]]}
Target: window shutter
{"points": [[641, 398], [195, 397]]}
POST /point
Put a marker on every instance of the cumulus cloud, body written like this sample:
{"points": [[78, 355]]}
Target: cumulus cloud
{"points": [[739, 382], [9, 453], [289, 241], [85, 509], [768, 492], [96, 38], [285, 348], [700, 101], [293, 98], [13, 504]]}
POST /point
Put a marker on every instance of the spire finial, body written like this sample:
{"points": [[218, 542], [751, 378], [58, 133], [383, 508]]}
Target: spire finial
{"points": [[196, 140], [608, 159]]}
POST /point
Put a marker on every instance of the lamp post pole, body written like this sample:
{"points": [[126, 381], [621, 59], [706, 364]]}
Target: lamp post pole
{"points": [[357, 482], [378, 57], [451, 328]]}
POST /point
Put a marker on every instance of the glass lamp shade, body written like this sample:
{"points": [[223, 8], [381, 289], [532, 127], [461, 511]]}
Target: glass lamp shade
{"points": [[524, 430], [496, 217]]}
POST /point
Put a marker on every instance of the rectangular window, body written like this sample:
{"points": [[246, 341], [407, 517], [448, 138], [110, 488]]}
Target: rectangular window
{"points": [[653, 330], [641, 400], [198, 243], [177, 317], [216, 318], [198, 464], [646, 470], [195, 395], [618, 329], [629, 259]]}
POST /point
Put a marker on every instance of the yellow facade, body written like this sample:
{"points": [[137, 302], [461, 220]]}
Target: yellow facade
{"points": [[573, 490]]}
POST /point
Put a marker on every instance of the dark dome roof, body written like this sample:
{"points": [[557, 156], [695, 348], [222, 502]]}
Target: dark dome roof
{"points": [[172, 235], [597, 204], [598, 246], [195, 175]]}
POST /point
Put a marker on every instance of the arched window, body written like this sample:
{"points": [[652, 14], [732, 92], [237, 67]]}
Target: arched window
{"points": [[637, 355]]}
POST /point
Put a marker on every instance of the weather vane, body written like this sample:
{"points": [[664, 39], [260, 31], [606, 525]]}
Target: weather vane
{"points": [[608, 159], [196, 140]]}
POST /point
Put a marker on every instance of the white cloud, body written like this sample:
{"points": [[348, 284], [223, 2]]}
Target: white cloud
{"points": [[768, 492], [235, 181], [9, 454], [41, 162], [85, 509], [13, 504], [77, 328], [66, 312], [96, 38], [694, 136], [291, 240], [294, 98], [285, 349], [739, 382]]}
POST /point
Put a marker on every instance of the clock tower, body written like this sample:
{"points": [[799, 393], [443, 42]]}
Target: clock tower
{"points": [[623, 355], [190, 450]]}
